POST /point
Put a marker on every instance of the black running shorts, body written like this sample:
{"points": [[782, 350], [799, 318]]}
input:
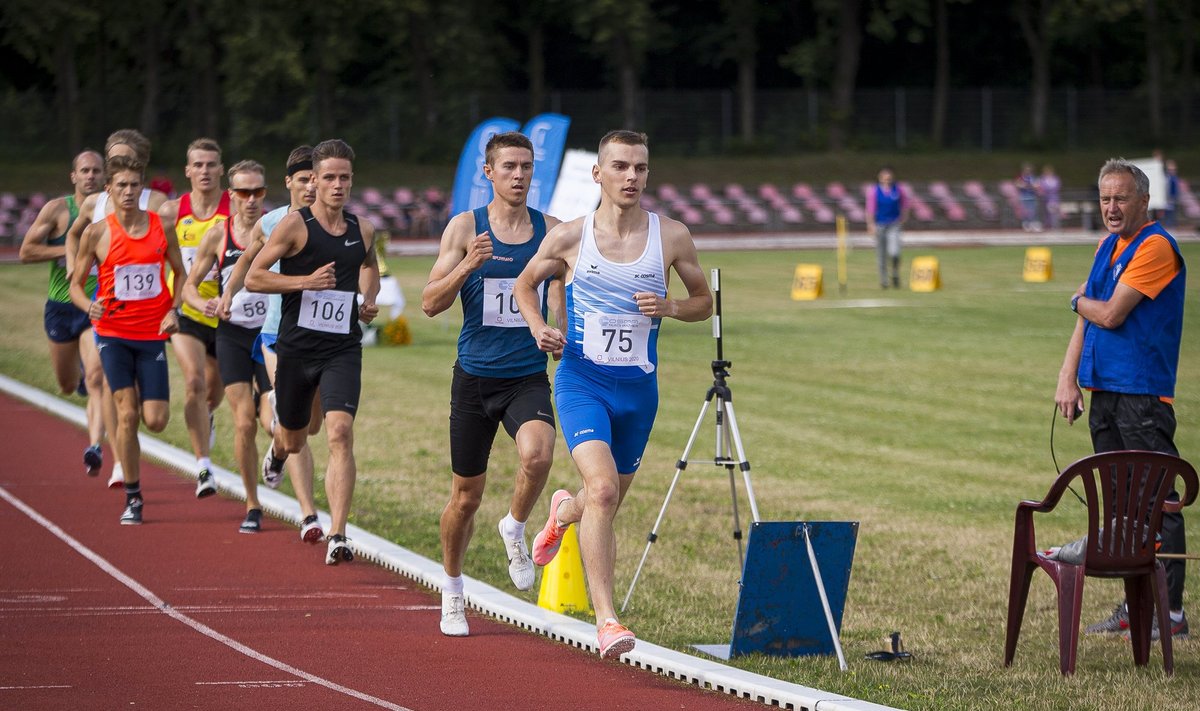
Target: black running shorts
{"points": [[479, 405], [205, 334], [296, 381], [235, 357]]}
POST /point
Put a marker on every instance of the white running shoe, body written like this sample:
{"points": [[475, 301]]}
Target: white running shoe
{"points": [[206, 484], [454, 615], [271, 477], [338, 550], [520, 566], [117, 480], [311, 531]]}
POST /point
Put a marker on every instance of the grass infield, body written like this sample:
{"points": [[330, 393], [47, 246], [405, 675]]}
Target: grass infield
{"points": [[926, 417]]}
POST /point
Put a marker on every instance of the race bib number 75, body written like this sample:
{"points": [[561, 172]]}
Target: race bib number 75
{"points": [[616, 339]]}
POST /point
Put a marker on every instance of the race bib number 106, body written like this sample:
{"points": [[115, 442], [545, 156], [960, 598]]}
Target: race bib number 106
{"points": [[500, 306], [327, 310]]}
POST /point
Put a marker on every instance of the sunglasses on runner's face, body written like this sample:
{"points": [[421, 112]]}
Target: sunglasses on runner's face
{"points": [[247, 193]]}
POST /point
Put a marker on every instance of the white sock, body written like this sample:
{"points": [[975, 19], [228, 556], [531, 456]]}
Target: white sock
{"points": [[512, 527], [452, 584], [204, 462], [1176, 615]]}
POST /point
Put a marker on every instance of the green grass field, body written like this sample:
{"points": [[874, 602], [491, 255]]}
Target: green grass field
{"points": [[925, 417]]}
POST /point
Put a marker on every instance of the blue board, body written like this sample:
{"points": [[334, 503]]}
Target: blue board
{"points": [[779, 610]]}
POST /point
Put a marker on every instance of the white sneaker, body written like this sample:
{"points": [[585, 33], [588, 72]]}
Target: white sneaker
{"points": [[117, 480], [274, 413], [454, 615], [520, 566]]}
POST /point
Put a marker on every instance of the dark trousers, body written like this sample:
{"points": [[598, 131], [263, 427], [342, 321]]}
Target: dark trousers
{"points": [[1119, 421]]}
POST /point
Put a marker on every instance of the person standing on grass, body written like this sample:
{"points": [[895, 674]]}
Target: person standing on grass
{"points": [[614, 263], [301, 189], [887, 211], [1125, 350], [133, 313], [130, 143], [195, 346], [237, 329], [329, 277], [500, 374], [67, 327]]}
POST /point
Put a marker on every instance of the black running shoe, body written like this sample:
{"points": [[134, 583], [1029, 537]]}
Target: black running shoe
{"points": [[338, 551], [253, 522], [93, 460], [206, 484], [133, 513]]}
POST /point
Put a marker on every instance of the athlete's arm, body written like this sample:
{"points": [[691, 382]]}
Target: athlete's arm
{"points": [[556, 290], [287, 240], [460, 253], [368, 275], [550, 260], [86, 208], [78, 280], [206, 256], [174, 258], [46, 225], [1067, 394], [1111, 313], [680, 253], [237, 277], [168, 212], [156, 200]]}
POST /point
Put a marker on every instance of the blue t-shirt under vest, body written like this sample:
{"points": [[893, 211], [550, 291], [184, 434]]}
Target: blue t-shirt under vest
{"points": [[1140, 356], [495, 341]]}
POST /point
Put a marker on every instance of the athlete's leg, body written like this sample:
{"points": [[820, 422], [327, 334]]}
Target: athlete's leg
{"points": [[93, 374], [245, 451], [341, 472], [64, 358], [212, 378], [299, 465], [535, 449], [190, 352], [156, 414], [458, 520], [597, 504], [126, 445]]}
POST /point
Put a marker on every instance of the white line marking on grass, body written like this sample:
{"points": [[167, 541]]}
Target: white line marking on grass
{"points": [[166, 609]]}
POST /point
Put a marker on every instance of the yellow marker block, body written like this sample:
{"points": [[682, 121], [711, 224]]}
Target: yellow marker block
{"points": [[563, 586], [1038, 265], [925, 275], [807, 282]]}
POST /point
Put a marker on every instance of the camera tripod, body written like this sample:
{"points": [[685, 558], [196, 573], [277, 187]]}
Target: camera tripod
{"points": [[726, 435]]}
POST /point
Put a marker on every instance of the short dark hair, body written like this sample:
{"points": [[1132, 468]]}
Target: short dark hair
{"points": [[247, 166], [203, 144], [129, 137], [626, 138], [508, 139], [299, 154], [333, 148], [121, 164]]}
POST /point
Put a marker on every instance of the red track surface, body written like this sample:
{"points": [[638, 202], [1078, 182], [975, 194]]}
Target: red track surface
{"points": [[184, 612]]}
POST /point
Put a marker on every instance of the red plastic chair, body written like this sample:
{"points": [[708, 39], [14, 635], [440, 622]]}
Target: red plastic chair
{"points": [[1125, 493]]}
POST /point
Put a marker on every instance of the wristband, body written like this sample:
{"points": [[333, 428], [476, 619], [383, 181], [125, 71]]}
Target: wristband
{"points": [[1075, 303]]}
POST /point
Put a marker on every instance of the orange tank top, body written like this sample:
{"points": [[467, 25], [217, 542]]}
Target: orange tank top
{"points": [[132, 283]]}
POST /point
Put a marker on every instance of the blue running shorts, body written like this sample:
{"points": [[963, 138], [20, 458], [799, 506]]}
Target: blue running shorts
{"points": [[593, 405]]}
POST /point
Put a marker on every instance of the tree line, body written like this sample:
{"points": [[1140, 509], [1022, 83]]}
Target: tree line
{"points": [[273, 73]]}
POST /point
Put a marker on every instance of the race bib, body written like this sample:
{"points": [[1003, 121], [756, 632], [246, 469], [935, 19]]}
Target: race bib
{"points": [[500, 306], [248, 309], [616, 339], [137, 282], [327, 310], [189, 257]]}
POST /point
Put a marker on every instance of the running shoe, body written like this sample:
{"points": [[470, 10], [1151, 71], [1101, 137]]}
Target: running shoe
{"points": [[547, 541], [212, 430], [272, 469], [454, 615], [253, 522], [1118, 622], [614, 639], [338, 550], [117, 480], [1179, 629], [520, 567], [274, 412], [93, 460], [133, 513], [311, 531], [206, 484]]}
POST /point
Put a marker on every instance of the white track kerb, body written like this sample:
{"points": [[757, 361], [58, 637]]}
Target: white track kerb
{"points": [[705, 673]]}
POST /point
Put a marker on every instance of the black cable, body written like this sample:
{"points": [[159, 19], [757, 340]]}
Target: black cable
{"points": [[1053, 419]]}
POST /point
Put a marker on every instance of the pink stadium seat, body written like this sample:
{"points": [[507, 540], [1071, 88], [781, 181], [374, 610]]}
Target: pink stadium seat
{"points": [[8, 201], [667, 192], [700, 191], [36, 202], [404, 197], [1187, 200], [372, 197]]}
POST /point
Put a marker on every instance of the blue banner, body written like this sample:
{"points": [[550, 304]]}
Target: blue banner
{"points": [[548, 132], [471, 189]]}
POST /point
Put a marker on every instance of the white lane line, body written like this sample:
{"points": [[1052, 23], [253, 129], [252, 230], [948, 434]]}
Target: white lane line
{"points": [[45, 686], [254, 684], [166, 609]]}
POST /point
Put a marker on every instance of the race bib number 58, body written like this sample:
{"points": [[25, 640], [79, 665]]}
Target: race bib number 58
{"points": [[616, 339], [326, 310]]}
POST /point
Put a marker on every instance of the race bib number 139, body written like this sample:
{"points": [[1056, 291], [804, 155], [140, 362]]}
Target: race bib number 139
{"points": [[137, 282]]}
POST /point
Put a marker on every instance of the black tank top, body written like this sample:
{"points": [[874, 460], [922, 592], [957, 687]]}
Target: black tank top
{"points": [[321, 324]]}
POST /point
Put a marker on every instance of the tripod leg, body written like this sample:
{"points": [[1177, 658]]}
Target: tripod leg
{"points": [[725, 455], [737, 524], [653, 536], [742, 461]]}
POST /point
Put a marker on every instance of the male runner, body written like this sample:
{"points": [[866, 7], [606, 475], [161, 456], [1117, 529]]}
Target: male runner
{"points": [[302, 192], [133, 314], [326, 257], [500, 374], [195, 346], [130, 143], [615, 264], [240, 321], [66, 326]]}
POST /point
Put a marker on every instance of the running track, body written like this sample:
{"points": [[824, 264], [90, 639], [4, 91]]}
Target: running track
{"points": [[184, 612]]}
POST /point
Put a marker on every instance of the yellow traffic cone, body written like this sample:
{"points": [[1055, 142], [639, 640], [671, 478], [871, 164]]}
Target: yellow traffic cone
{"points": [[563, 586]]}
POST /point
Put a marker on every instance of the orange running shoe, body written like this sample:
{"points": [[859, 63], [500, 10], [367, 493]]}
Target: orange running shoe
{"points": [[547, 541], [614, 639]]}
